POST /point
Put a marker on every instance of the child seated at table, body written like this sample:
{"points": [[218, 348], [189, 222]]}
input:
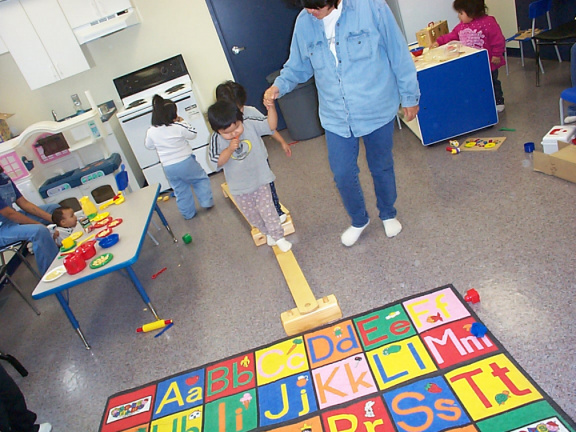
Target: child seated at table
{"points": [[240, 150], [64, 221]]}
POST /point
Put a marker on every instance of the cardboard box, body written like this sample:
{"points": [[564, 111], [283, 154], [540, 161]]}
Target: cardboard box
{"points": [[428, 35], [5, 133], [563, 133], [561, 164]]}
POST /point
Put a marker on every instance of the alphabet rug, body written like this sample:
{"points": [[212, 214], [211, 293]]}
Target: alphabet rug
{"points": [[425, 363]]}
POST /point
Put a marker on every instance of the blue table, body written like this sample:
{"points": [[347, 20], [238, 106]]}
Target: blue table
{"points": [[457, 96], [136, 214]]}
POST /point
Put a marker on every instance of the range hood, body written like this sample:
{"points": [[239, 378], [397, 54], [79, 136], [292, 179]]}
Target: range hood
{"points": [[106, 25]]}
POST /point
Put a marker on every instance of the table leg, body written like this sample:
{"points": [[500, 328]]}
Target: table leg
{"points": [[165, 222], [72, 318], [141, 291]]}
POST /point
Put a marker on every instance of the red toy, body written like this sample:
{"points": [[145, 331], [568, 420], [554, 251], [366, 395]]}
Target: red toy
{"points": [[472, 296]]}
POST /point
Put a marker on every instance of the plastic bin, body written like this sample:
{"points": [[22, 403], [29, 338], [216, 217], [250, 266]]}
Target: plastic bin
{"points": [[300, 110]]}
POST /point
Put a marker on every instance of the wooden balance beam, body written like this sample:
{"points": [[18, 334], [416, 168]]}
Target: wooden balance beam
{"points": [[257, 236], [309, 312]]}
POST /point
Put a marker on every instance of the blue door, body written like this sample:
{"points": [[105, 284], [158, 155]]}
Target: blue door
{"points": [[255, 35]]}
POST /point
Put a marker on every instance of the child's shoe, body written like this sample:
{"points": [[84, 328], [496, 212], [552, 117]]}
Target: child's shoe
{"points": [[283, 218], [352, 234], [283, 244], [500, 108], [270, 241], [45, 427]]}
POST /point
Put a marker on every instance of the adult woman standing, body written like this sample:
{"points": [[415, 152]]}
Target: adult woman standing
{"points": [[363, 72]]}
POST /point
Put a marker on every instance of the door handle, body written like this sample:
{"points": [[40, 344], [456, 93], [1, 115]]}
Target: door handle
{"points": [[236, 49]]}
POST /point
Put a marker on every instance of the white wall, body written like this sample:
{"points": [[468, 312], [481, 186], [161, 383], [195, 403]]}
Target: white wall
{"points": [[416, 14], [167, 28], [505, 13]]}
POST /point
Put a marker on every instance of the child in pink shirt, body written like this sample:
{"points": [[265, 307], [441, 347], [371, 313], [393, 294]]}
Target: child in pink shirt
{"points": [[479, 30]]}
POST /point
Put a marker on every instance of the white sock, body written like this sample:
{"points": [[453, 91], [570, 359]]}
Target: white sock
{"points": [[352, 234], [283, 244], [270, 241], [392, 227]]}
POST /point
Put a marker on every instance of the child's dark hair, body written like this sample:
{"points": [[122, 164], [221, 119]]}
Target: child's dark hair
{"points": [[164, 111], [58, 214], [472, 8], [232, 92], [222, 114], [317, 4]]}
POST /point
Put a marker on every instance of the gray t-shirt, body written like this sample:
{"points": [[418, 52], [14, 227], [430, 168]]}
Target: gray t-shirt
{"points": [[248, 167]]}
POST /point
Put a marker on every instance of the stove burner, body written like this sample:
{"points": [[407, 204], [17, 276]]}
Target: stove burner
{"points": [[174, 88], [136, 103]]}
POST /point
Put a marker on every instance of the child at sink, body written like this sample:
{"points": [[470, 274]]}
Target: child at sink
{"points": [[169, 136], [64, 221], [479, 30]]}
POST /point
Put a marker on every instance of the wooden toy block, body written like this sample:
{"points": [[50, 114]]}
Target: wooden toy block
{"points": [[257, 236], [309, 311]]}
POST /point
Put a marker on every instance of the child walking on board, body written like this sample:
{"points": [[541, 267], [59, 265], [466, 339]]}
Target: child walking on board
{"points": [[479, 30], [239, 149], [233, 92], [169, 136]]}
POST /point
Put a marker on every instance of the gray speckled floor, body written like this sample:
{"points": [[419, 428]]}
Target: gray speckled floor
{"points": [[482, 220]]}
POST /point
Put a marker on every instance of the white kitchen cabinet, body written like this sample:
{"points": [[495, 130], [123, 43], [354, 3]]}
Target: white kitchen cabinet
{"points": [[40, 40], [80, 12]]}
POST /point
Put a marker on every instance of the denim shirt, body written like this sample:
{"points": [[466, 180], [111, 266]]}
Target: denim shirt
{"points": [[9, 193], [374, 75]]}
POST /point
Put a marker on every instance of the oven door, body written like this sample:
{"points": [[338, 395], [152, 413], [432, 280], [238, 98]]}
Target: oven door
{"points": [[135, 128], [188, 109]]}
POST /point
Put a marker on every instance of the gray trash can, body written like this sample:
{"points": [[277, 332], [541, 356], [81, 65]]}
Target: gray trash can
{"points": [[300, 110]]}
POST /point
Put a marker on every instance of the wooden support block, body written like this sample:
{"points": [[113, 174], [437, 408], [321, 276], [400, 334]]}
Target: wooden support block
{"points": [[257, 236], [309, 312]]}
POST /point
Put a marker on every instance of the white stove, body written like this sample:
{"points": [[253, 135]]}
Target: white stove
{"points": [[142, 101], [169, 79]]}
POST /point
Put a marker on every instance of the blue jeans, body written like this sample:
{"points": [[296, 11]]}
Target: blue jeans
{"points": [[181, 176], [343, 158], [44, 247]]}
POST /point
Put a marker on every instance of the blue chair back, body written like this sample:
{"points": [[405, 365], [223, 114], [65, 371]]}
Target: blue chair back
{"points": [[539, 8]]}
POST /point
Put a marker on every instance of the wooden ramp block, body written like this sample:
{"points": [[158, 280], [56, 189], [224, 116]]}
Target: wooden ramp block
{"points": [[257, 236], [309, 312]]}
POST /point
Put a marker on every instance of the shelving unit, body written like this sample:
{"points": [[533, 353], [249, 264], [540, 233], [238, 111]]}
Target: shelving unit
{"points": [[80, 132]]}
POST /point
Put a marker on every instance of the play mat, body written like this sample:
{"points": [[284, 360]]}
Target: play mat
{"points": [[422, 364]]}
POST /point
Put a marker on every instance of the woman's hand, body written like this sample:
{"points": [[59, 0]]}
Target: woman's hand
{"points": [[410, 112], [271, 94]]}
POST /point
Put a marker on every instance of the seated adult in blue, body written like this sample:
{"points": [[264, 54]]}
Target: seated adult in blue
{"points": [[26, 224]]}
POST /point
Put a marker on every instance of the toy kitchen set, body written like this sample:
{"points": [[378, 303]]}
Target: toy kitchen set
{"points": [[169, 79], [62, 161]]}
